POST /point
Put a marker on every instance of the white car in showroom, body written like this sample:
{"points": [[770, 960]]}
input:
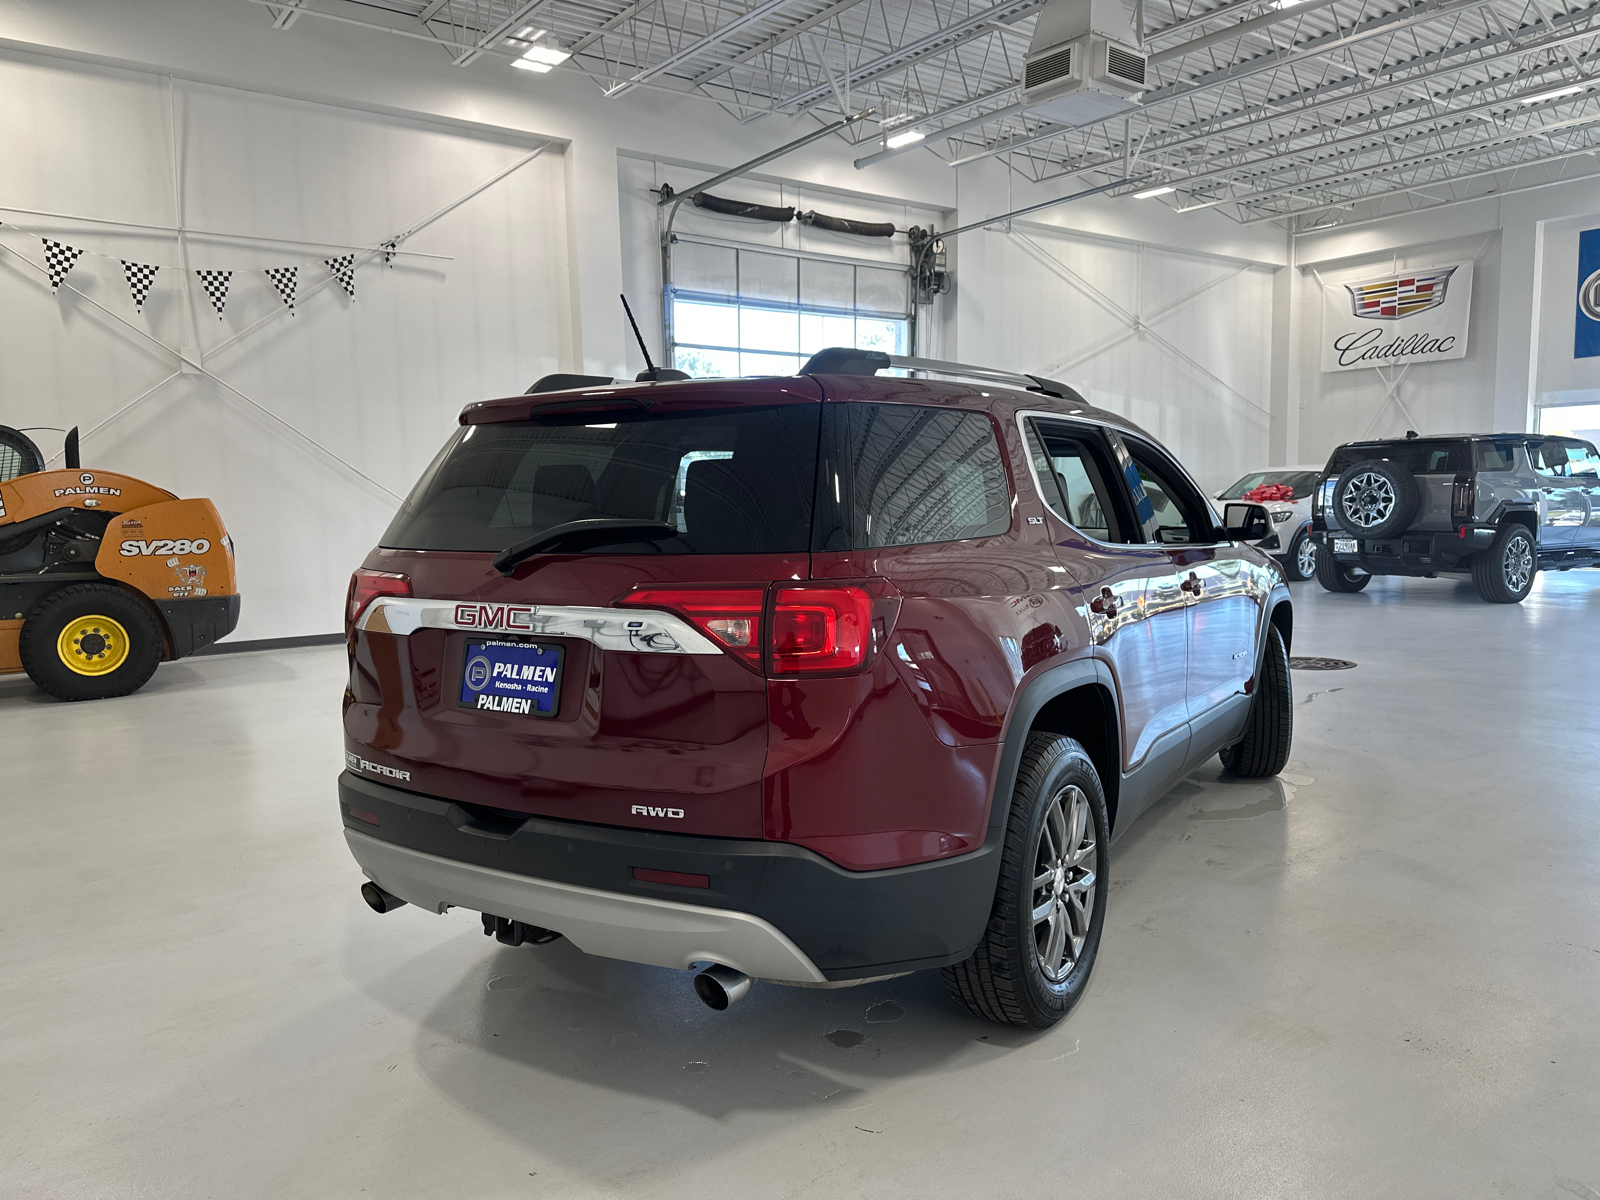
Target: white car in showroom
{"points": [[1290, 540]]}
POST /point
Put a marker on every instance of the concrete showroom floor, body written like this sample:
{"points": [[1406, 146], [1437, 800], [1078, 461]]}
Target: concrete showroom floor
{"points": [[1376, 976]]}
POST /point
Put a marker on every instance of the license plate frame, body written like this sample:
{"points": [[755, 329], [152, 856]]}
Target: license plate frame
{"points": [[527, 682], [1346, 546]]}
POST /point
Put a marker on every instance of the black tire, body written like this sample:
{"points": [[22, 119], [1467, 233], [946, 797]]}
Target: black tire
{"points": [[1336, 577], [1503, 574], [1005, 980], [1376, 498], [1303, 547], [136, 658], [1269, 730]]}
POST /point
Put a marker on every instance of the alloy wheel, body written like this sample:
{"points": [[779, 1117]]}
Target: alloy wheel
{"points": [[1517, 564], [1368, 500], [1306, 558], [1066, 860]]}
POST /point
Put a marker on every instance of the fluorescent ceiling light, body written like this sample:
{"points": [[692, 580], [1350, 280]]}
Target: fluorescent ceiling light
{"points": [[1564, 91], [905, 137], [528, 65], [1155, 191], [549, 53]]}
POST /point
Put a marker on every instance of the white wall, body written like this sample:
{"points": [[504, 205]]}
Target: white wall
{"points": [[332, 132], [1454, 396], [377, 380], [1522, 319], [1161, 317]]}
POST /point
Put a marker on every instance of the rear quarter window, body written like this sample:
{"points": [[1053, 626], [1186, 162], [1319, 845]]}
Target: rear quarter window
{"points": [[903, 475], [729, 481], [1494, 456]]}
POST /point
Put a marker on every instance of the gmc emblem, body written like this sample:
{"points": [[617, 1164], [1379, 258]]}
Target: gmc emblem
{"points": [[495, 616]]}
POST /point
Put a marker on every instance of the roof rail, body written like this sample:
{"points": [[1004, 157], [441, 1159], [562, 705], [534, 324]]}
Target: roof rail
{"points": [[841, 360]]}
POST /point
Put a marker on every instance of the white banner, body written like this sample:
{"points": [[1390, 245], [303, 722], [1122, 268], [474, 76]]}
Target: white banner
{"points": [[1396, 318]]}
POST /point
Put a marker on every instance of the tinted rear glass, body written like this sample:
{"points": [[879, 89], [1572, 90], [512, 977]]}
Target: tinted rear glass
{"points": [[731, 482], [1420, 456], [1301, 481], [903, 475], [1494, 456]]}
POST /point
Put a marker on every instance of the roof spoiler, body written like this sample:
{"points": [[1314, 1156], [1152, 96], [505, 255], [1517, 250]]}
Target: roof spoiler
{"points": [[841, 360]]}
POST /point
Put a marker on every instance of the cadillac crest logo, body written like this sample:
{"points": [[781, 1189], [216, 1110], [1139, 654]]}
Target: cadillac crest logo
{"points": [[1398, 318], [1400, 296]]}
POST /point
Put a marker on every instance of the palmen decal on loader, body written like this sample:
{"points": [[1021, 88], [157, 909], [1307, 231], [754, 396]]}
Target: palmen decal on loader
{"points": [[103, 576]]}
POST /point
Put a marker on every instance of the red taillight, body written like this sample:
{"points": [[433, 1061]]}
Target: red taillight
{"points": [[365, 587], [826, 628], [810, 628], [729, 616]]}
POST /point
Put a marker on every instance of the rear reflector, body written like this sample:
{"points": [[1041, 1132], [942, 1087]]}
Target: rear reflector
{"points": [[729, 616], [820, 628], [365, 587], [362, 814], [676, 878]]}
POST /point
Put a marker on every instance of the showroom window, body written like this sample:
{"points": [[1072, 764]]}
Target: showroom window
{"points": [[737, 311], [1571, 420]]}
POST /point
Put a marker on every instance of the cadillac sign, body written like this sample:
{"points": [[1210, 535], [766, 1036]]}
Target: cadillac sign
{"points": [[1396, 319]]}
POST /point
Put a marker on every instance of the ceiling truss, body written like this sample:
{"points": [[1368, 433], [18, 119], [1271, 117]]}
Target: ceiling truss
{"points": [[1311, 114]]}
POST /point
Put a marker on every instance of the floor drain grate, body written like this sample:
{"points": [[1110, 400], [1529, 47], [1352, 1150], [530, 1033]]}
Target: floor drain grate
{"points": [[1320, 664]]}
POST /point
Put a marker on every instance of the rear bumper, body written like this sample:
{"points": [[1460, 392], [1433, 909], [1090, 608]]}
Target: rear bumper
{"points": [[773, 910], [641, 929], [1410, 553]]}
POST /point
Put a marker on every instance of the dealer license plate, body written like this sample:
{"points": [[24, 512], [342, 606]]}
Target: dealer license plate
{"points": [[517, 678], [1344, 545]]}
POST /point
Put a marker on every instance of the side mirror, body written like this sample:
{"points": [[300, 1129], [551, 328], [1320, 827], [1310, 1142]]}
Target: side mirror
{"points": [[1246, 522]]}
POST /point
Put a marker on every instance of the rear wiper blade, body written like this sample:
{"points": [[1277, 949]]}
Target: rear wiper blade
{"points": [[580, 535]]}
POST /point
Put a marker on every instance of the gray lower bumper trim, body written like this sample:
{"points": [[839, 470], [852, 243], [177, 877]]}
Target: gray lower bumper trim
{"points": [[638, 929]]}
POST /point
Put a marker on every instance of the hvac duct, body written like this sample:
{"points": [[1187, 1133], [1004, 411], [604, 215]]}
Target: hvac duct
{"points": [[1084, 63]]}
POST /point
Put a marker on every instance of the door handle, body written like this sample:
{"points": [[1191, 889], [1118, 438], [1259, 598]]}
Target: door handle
{"points": [[1192, 585]]}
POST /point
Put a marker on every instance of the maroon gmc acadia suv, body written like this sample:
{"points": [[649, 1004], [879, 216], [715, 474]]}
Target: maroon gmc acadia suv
{"points": [[814, 680]]}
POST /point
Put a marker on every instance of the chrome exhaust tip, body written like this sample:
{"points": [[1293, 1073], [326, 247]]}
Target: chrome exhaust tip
{"points": [[380, 900], [719, 986]]}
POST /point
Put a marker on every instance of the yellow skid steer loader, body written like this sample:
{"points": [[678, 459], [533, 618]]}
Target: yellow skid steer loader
{"points": [[103, 576]]}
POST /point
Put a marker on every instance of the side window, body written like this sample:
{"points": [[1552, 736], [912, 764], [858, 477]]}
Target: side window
{"points": [[1178, 515], [1074, 472], [1494, 456], [906, 475], [1582, 459], [1550, 458]]}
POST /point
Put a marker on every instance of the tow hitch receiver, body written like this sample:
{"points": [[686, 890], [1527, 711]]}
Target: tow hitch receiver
{"points": [[516, 933]]}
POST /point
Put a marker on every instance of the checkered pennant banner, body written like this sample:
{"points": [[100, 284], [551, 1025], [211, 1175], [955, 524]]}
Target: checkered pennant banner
{"points": [[140, 277], [390, 248], [216, 286], [59, 258], [344, 270], [283, 279]]}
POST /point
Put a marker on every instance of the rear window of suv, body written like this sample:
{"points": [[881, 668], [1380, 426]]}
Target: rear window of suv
{"points": [[730, 481], [1420, 456]]}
